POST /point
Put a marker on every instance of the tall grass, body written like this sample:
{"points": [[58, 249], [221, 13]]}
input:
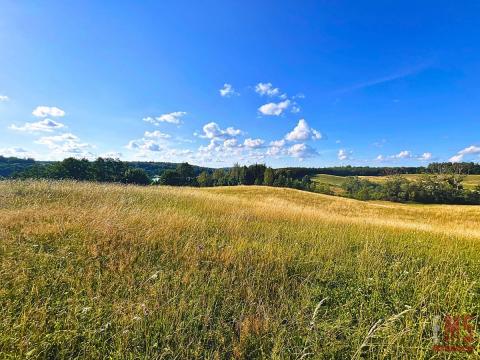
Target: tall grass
{"points": [[110, 271]]}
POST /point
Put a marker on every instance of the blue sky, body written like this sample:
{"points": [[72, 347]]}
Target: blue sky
{"points": [[286, 83]]}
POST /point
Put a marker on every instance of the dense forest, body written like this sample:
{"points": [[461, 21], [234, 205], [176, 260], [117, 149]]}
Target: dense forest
{"points": [[12, 166], [440, 182]]}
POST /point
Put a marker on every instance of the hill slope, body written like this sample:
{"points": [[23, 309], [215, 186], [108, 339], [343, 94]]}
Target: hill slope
{"points": [[92, 270]]}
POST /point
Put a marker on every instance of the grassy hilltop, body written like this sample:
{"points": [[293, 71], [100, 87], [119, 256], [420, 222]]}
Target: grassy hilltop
{"points": [[96, 271]]}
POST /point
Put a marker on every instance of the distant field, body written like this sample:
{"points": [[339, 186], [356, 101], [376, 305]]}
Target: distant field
{"points": [[109, 271], [329, 179], [470, 180], [335, 182]]}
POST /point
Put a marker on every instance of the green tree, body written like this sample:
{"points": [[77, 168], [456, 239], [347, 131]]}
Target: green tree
{"points": [[269, 176], [136, 176], [219, 177], [171, 177], [186, 170], [204, 179]]}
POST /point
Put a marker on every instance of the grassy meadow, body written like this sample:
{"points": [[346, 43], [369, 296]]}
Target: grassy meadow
{"points": [[336, 182], [110, 271]]}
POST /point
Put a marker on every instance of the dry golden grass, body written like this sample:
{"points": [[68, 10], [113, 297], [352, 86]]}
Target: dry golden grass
{"points": [[111, 271]]}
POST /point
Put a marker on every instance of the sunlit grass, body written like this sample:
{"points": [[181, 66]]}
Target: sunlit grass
{"points": [[110, 271], [469, 182]]}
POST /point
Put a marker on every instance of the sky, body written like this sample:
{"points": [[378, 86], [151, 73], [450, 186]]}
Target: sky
{"points": [[285, 83]]}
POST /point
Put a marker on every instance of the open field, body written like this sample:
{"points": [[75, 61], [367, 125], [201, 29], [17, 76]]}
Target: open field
{"points": [[329, 179], [336, 181], [469, 183], [110, 271]]}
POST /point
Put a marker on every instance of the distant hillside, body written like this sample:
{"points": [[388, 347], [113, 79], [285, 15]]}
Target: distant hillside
{"points": [[10, 165], [155, 168]]}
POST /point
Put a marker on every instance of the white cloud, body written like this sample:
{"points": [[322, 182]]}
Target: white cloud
{"points": [[66, 145], [227, 90], [112, 155], [274, 109], [172, 118], [44, 111], [301, 151], [253, 143], [144, 145], [404, 154], [343, 154], [15, 152], [471, 150], [266, 89], [156, 134], [233, 132], [45, 125], [276, 148], [213, 131], [230, 143], [4, 98], [425, 156], [278, 143], [303, 132]]}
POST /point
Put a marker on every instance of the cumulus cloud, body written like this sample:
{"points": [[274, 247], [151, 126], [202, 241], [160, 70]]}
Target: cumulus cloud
{"points": [[230, 143], [471, 150], [213, 131], [225, 146], [4, 98], [66, 144], [266, 89], [16, 152], [144, 145], [277, 148], [44, 111], [274, 109], [45, 125], [172, 118], [253, 143], [425, 156], [404, 154], [303, 132], [156, 134], [302, 151], [343, 154], [227, 90]]}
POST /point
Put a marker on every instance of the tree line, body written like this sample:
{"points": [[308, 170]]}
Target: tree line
{"points": [[184, 174], [256, 174], [440, 188]]}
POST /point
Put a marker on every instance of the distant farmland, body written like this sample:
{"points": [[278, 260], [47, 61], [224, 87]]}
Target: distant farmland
{"points": [[336, 181]]}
